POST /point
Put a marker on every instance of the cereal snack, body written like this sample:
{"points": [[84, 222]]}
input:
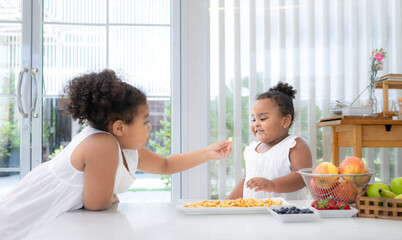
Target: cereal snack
{"points": [[240, 202]]}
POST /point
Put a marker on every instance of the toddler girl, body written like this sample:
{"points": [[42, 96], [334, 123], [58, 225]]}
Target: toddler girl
{"points": [[99, 162], [272, 161]]}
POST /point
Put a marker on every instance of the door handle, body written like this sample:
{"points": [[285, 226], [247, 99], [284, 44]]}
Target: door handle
{"points": [[19, 101], [35, 80]]}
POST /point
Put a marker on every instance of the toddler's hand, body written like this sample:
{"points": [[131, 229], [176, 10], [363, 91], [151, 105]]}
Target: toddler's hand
{"points": [[220, 149], [260, 184]]}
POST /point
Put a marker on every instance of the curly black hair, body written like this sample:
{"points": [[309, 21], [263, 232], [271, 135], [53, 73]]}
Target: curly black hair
{"points": [[102, 98], [283, 94]]}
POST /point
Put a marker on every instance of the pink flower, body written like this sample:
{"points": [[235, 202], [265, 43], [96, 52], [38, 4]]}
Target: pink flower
{"points": [[379, 57]]}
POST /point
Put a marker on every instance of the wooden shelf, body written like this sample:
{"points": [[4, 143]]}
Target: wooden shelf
{"points": [[375, 120], [356, 118], [391, 84]]}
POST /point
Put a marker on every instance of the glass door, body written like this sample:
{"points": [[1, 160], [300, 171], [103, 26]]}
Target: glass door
{"points": [[15, 91], [130, 37]]}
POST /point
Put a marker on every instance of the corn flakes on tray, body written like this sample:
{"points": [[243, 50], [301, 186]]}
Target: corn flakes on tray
{"points": [[237, 206]]}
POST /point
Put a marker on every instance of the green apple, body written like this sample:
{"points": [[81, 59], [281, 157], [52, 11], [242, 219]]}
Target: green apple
{"points": [[372, 190], [396, 185], [399, 197]]}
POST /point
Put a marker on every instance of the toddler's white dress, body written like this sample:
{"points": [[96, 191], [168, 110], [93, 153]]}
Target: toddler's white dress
{"points": [[271, 164], [54, 188]]}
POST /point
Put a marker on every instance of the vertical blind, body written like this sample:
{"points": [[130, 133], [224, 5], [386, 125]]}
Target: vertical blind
{"points": [[322, 48]]}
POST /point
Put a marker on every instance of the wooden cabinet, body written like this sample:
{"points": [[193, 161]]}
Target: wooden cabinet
{"points": [[359, 132]]}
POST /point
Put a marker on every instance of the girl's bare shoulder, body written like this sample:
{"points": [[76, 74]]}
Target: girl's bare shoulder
{"points": [[301, 147], [300, 156], [97, 147], [100, 138], [301, 143]]}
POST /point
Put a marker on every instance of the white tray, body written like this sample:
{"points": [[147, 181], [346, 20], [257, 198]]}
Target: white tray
{"points": [[302, 217], [212, 210], [336, 213]]}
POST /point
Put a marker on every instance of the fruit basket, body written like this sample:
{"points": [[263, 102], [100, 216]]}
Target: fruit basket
{"points": [[384, 208], [341, 187]]}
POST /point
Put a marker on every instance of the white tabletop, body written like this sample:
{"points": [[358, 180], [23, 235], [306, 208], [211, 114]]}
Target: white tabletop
{"points": [[164, 221]]}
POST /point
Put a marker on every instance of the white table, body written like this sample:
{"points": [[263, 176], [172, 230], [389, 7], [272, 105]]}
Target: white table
{"points": [[163, 221]]}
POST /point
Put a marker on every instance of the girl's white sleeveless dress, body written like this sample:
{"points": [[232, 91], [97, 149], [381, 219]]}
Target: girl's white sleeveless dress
{"points": [[271, 164], [54, 188]]}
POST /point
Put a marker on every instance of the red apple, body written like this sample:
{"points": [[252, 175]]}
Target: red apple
{"points": [[325, 182], [317, 192], [352, 165], [363, 179], [345, 192]]}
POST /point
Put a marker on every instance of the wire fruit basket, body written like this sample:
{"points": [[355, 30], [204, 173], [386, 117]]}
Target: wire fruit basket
{"points": [[341, 187]]}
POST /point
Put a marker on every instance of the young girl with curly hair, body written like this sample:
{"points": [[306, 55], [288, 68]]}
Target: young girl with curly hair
{"points": [[99, 162], [272, 161]]}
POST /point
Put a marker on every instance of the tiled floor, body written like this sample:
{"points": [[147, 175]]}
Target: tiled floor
{"points": [[143, 181]]}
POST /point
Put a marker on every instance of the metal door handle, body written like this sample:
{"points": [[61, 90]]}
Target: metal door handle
{"points": [[19, 101], [35, 80]]}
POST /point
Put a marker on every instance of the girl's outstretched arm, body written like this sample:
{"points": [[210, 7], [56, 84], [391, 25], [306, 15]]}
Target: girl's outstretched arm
{"points": [[153, 163]]}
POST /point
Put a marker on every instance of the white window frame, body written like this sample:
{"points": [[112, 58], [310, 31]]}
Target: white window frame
{"points": [[176, 119], [195, 93]]}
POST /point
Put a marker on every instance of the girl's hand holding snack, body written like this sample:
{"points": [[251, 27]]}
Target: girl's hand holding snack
{"points": [[219, 150]]}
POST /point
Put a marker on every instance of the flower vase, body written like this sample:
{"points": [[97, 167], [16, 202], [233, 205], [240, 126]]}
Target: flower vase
{"points": [[372, 100]]}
